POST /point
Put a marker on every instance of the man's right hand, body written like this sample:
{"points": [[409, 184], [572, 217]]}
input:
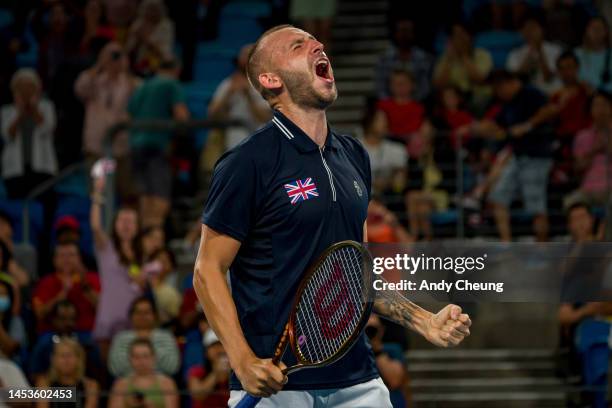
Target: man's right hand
{"points": [[261, 377]]}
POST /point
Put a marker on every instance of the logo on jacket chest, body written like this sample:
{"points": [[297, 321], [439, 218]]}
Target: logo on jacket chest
{"points": [[301, 190]]}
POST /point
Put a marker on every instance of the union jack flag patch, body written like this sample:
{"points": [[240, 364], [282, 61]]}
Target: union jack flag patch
{"points": [[301, 190]]}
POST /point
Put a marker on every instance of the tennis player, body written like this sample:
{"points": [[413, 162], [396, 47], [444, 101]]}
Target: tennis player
{"points": [[276, 202]]}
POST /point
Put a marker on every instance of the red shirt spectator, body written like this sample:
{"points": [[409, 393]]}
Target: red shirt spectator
{"points": [[70, 281], [217, 399], [573, 116]]}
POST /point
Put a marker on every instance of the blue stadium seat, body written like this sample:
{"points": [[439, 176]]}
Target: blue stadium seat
{"points": [[238, 30], [252, 9], [592, 343], [6, 18], [444, 217], [29, 57], [75, 184], [14, 208], [499, 44], [78, 206]]}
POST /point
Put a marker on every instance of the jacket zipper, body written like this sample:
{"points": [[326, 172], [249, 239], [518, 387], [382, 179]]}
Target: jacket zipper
{"points": [[329, 174]]}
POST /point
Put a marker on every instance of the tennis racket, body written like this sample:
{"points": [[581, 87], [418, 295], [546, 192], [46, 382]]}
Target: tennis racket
{"points": [[330, 310]]}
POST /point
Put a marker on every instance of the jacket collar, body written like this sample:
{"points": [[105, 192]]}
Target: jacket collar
{"points": [[298, 138]]}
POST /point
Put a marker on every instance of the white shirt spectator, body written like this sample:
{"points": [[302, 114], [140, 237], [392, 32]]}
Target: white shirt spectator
{"points": [[239, 110], [12, 377], [550, 51], [385, 159], [43, 151]]}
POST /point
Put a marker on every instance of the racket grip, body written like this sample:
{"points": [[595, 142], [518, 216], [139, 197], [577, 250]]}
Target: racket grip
{"points": [[248, 401]]}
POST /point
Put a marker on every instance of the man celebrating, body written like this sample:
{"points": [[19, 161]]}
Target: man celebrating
{"points": [[276, 202]]}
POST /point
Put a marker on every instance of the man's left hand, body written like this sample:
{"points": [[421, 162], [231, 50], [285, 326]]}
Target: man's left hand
{"points": [[448, 327]]}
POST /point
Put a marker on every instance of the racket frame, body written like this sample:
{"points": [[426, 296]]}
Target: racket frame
{"points": [[289, 337]]}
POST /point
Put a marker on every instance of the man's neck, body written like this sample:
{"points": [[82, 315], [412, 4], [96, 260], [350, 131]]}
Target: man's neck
{"points": [[313, 122]]}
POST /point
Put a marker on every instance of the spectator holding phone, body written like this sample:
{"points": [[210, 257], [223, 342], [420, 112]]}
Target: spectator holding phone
{"points": [[144, 387]]}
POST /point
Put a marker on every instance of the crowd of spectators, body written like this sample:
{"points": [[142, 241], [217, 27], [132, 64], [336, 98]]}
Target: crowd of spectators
{"points": [[536, 122]]}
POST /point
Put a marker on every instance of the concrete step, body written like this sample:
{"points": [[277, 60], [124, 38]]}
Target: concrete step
{"points": [[355, 60], [539, 399], [483, 383], [359, 32], [497, 369], [343, 116], [480, 354], [360, 20], [363, 87], [361, 7], [352, 73], [364, 46]]}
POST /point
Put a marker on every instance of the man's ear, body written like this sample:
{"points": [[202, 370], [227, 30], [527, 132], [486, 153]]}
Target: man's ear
{"points": [[270, 81]]}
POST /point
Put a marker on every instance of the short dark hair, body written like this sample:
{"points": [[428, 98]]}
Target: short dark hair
{"points": [[62, 304], [255, 65], [579, 205], [167, 251], [141, 341], [142, 299], [501, 75], [402, 72], [568, 54]]}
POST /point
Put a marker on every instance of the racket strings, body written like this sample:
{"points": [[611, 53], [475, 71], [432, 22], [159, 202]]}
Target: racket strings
{"points": [[331, 305]]}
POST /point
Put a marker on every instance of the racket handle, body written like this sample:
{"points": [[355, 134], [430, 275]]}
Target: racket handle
{"points": [[248, 401]]}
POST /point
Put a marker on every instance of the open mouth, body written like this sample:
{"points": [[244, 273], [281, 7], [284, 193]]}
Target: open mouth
{"points": [[323, 70]]}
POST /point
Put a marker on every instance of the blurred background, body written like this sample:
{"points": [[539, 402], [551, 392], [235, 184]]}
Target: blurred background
{"points": [[484, 120]]}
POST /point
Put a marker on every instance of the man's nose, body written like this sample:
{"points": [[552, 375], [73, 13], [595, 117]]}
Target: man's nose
{"points": [[317, 47]]}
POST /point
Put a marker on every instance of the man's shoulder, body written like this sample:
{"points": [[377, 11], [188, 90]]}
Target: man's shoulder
{"points": [[352, 144], [255, 147]]}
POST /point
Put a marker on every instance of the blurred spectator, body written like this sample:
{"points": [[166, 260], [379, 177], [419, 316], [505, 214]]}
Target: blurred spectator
{"points": [[13, 256], [570, 101], [160, 97], [150, 41], [167, 298], [120, 14], [63, 318], [594, 55], [388, 159], [236, 99], [70, 281], [190, 310], [28, 156], [593, 154], [105, 90], [315, 17], [209, 384], [118, 265], [389, 361], [11, 375], [143, 317], [451, 115], [383, 225], [152, 239], [13, 337], [535, 60], [405, 116], [521, 123], [68, 370], [463, 66], [67, 229], [406, 56], [96, 30], [580, 223], [144, 387], [57, 38]]}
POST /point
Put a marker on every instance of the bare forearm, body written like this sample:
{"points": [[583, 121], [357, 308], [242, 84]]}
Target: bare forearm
{"points": [[395, 307], [214, 295]]}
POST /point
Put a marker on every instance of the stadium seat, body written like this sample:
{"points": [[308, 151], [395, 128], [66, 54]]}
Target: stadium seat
{"points": [[444, 217], [6, 18], [252, 9], [15, 209], [76, 184], [592, 343], [499, 44], [230, 36]]}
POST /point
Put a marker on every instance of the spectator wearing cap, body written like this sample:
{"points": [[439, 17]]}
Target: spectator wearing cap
{"points": [[236, 99], [28, 156], [536, 59], [208, 384], [70, 281], [68, 229], [160, 97], [63, 318], [144, 386], [13, 337], [143, 316], [522, 125], [404, 55]]}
